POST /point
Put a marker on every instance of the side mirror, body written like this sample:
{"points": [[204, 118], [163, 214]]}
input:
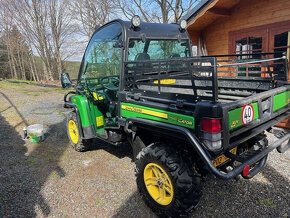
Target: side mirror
{"points": [[66, 82]]}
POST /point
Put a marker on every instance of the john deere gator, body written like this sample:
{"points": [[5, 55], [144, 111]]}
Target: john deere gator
{"points": [[184, 116]]}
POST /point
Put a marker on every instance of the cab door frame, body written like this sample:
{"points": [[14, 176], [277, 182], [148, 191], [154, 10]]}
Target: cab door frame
{"points": [[121, 67]]}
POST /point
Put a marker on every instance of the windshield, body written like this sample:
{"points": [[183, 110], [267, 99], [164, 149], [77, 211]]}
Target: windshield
{"points": [[153, 49]]}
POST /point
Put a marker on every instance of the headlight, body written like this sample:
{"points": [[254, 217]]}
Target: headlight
{"points": [[135, 21], [183, 24]]}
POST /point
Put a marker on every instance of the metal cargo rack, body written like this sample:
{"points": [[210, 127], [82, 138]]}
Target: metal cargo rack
{"points": [[188, 79], [222, 78]]}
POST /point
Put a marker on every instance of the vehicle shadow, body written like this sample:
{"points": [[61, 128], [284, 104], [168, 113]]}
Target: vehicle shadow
{"points": [[134, 207], [25, 166], [243, 198], [119, 151]]}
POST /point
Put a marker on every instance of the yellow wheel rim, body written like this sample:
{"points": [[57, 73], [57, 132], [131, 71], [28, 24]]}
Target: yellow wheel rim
{"points": [[158, 184], [73, 131]]}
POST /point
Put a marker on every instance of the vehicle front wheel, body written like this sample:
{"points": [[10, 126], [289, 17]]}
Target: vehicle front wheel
{"points": [[76, 141], [166, 180]]}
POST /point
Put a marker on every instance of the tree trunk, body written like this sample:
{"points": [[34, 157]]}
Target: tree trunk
{"points": [[34, 67], [14, 66], [43, 48], [10, 65], [11, 60], [164, 11], [22, 70], [58, 61], [31, 68], [22, 55], [177, 11]]}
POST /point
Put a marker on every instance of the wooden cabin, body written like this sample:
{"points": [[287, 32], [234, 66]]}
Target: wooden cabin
{"points": [[222, 27]]}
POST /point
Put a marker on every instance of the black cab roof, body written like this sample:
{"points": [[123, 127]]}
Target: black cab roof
{"points": [[151, 30]]}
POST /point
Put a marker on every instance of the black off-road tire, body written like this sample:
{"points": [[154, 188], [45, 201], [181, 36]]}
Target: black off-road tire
{"points": [[186, 184], [82, 144]]}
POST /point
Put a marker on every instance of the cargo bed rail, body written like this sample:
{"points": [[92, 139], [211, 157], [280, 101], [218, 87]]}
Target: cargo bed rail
{"points": [[187, 78], [222, 78]]}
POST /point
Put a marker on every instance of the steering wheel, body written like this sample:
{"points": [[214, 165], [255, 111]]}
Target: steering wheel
{"points": [[110, 82]]}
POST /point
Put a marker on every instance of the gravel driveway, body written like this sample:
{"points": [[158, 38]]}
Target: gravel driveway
{"points": [[50, 179]]}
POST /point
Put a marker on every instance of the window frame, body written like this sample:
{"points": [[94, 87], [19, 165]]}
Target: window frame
{"points": [[247, 33], [82, 67], [267, 32], [276, 31]]}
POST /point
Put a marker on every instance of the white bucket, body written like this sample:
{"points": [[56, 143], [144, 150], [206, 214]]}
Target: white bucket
{"points": [[35, 133]]}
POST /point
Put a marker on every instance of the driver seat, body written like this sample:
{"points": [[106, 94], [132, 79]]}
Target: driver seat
{"points": [[143, 57]]}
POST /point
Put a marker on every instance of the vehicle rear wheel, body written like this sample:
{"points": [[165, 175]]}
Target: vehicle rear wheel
{"points": [[74, 136], [166, 180]]}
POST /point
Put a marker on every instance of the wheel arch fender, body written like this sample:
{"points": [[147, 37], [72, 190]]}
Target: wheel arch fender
{"points": [[76, 110], [141, 136], [81, 106]]}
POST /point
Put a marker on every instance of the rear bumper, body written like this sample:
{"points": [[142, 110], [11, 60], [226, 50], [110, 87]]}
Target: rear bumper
{"points": [[260, 157]]}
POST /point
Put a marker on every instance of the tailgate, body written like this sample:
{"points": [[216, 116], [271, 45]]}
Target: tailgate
{"points": [[250, 116]]}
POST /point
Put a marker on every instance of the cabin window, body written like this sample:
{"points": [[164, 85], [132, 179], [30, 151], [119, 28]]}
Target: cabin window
{"points": [[282, 43], [282, 47], [153, 49], [249, 45], [273, 37]]}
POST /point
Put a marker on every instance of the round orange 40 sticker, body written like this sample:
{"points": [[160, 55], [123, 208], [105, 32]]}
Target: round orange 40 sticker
{"points": [[247, 114]]}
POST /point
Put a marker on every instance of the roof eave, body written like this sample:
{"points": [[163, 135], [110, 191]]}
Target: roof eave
{"points": [[197, 9]]}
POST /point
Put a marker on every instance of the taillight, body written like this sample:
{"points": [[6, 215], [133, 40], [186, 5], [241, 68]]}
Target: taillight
{"points": [[211, 133], [211, 125]]}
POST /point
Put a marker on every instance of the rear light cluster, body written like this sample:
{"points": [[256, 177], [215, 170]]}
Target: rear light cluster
{"points": [[211, 133]]}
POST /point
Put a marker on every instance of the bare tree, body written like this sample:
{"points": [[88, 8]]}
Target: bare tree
{"points": [[129, 8], [50, 28], [46, 25], [6, 25], [162, 11], [61, 28], [32, 19], [90, 14]]}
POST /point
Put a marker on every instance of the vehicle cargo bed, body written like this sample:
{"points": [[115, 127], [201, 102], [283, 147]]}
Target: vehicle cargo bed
{"points": [[217, 79]]}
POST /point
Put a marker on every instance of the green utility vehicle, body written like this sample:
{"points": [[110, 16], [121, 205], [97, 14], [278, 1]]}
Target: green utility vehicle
{"points": [[184, 116]]}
